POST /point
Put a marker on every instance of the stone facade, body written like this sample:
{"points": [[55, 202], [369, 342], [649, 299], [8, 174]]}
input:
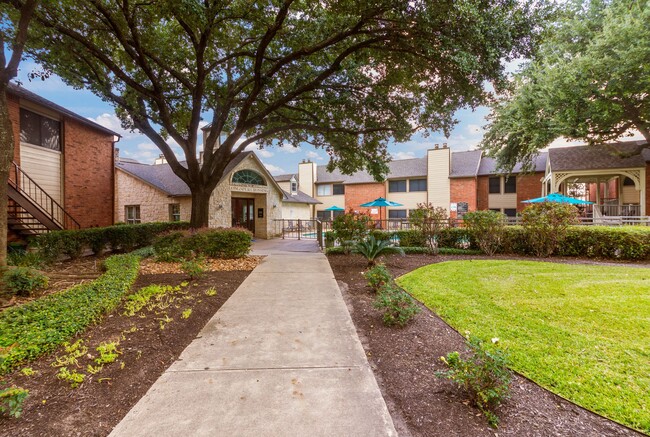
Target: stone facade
{"points": [[154, 203]]}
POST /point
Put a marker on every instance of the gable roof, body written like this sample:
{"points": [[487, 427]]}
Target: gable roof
{"points": [[162, 177], [465, 164], [285, 177], [300, 197], [35, 98], [401, 168], [607, 156], [489, 165]]}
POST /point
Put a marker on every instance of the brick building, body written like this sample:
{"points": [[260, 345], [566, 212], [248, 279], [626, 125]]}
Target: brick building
{"points": [[63, 176]]}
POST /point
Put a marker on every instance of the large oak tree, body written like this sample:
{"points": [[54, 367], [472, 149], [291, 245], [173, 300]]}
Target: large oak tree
{"points": [[15, 19], [344, 75], [590, 81]]}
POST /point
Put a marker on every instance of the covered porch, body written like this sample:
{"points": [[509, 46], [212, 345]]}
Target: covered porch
{"points": [[614, 192]]}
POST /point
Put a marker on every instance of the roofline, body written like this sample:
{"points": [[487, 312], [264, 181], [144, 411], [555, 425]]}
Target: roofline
{"points": [[24, 93], [147, 182]]}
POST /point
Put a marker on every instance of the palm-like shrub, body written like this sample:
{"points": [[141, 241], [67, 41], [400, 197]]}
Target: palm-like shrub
{"points": [[371, 249]]}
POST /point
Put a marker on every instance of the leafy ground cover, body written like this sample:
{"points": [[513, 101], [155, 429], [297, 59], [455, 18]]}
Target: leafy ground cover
{"points": [[579, 330]]}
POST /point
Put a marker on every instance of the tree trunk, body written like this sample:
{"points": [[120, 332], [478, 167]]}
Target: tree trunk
{"points": [[200, 207], [6, 157]]}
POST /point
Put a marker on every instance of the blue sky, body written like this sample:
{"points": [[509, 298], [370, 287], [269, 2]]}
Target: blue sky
{"points": [[466, 135]]}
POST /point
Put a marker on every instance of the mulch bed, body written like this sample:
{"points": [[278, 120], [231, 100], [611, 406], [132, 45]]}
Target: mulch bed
{"points": [[102, 400], [421, 404]]}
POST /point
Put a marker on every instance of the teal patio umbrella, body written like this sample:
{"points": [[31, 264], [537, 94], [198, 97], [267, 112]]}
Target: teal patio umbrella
{"points": [[558, 198], [334, 208], [380, 202]]}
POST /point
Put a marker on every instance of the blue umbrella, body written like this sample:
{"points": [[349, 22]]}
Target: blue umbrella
{"points": [[559, 198], [380, 202], [334, 208]]}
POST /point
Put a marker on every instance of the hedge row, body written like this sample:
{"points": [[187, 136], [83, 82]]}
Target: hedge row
{"points": [[613, 242], [119, 237], [40, 326], [213, 243]]}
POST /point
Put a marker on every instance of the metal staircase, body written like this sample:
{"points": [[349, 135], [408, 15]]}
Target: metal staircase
{"points": [[31, 210]]}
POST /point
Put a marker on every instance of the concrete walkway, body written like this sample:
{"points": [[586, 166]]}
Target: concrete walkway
{"points": [[280, 358]]}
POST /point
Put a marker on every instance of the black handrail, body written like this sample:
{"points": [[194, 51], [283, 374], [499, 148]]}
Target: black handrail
{"points": [[39, 197]]}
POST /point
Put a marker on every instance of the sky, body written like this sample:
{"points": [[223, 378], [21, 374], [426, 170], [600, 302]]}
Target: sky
{"points": [[466, 135]]}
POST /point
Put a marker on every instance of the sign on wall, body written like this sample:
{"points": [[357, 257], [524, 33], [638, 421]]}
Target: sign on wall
{"points": [[463, 208]]}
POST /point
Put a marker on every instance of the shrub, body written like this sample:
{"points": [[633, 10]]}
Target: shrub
{"points": [[168, 247], [11, 400], [430, 221], [371, 249], [24, 280], [194, 268], [411, 238], [484, 375], [460, 238], [226, 242], [378, 276], [626, 242], [545, 225], [350, 228], [120, 237], [23, 258], [397, 306], [488, 228], [40, 326]]}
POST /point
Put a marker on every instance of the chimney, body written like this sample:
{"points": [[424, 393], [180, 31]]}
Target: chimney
{"points": [[116, 156], [437, 146], [160, 160], [444, 145]]}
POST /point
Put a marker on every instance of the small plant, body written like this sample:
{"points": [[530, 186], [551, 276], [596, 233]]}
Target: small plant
{"points": [[108, 352], [24, 280], [484, 375], [350, 228], [28, 371], [378, 276], [163, 321], [186, 314], [194, 268], [398, 306], [93, 370], [488, 228], [211, 292], [74, 378], [73, 351], [430, 220], [371, 249], [22, 258], [12, 399]]}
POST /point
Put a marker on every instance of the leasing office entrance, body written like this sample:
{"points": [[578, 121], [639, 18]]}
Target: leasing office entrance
{"points": [[243, 213]]}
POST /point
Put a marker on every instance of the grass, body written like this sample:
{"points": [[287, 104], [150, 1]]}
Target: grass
{"points": [[580, 331]]}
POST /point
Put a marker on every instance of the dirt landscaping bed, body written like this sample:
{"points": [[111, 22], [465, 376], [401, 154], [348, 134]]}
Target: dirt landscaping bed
{"points": [[421, 404], [149, 342]]}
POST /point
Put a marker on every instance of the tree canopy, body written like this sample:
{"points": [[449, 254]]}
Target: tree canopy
{"points": [[590, 81], [344, 75]]}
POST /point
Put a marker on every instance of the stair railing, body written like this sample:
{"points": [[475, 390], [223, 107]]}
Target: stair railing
{"points": [[39, 197]]}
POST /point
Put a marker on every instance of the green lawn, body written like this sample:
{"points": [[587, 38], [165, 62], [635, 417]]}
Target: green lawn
{"points": [[581, 331]]}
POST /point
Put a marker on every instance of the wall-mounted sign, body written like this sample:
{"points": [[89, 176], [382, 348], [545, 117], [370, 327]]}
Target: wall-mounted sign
{"points": [[463, 207], [374, 211], [249, 188], [260, 212], [453, 207]]}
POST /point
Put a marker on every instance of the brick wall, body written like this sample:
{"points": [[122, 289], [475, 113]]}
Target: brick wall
{"points": [[482, 192], [88, 174], [356, 194], [463, 190], [528, 187]]}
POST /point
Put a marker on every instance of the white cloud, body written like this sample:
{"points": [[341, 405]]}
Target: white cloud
{"points": [[146, 146], [289, 149], [264, 153], [403, 155], [110, 121], [274, 169], [313, 155]]}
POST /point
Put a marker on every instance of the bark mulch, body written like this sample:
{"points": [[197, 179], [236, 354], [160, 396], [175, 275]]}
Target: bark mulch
{"points": [[102, 400], [421, 404]]}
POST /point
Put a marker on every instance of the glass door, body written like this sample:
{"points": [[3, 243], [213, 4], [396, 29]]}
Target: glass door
{"points": [[243, 213]]}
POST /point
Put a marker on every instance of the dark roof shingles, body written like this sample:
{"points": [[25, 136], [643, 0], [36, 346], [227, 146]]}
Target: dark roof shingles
{"points": [[630, 154]]}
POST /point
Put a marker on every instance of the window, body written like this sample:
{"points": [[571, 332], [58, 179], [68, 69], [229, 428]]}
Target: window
{"points": [[132, 214], [324, 215], [396, 213], [510, 212], [510, 185], [39, 131], [338, 189], [248, 177], [397, 186], [324, 190], [175, 212], [417, 185], [495, 185], [294, 187], [337, 213]]}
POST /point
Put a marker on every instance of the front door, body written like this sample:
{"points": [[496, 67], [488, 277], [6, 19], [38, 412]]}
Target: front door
{"points": [[243, 213]]}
